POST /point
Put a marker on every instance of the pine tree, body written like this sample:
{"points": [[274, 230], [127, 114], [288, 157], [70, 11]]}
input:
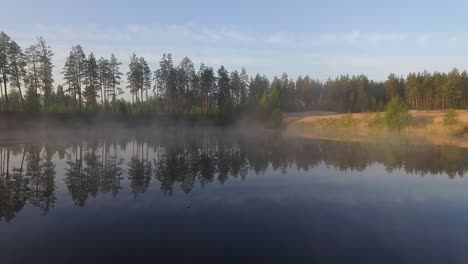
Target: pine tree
{"points": [[46, 79], [91, 82], [284, 92], [453, 90], [207, 87], [61, 100], [363, 90], [165, 82], [74, 72], [4, 65], [133, 77], [104, 77], [146, 71], [32, 78], [224, 90], [115, 77], [244, 77], [17, 61], [392, 87], [236, 87]]}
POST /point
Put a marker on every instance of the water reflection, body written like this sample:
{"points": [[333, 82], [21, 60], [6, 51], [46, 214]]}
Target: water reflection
{"points": [[29, 171], [88, 171]]}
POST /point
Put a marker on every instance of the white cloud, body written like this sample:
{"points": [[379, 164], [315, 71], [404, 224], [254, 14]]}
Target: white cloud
{"points": [[423, 39], [361, 38], [279, 38], [456, 40], [385, 38], [328, 38], [352, 37]]}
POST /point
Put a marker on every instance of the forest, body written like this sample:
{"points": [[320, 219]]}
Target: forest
{"points": [[96, 85]]}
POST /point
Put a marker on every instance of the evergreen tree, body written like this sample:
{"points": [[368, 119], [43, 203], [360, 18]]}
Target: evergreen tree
{"points": [[17, 61], [207, 87], [74, 73], [392, 86], [224, 91], [104, 80], [236, 87], [138, 78], [244, 86], [32, 78], [185, 75], [165, 82], [46, 79], [4, 65], [115, 77], [91, 81], [146, 78]]}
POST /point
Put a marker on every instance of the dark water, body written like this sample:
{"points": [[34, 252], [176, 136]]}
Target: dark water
{"points": [[214, 197]]}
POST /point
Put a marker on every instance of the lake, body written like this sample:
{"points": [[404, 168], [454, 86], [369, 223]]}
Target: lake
{"points": [[231, 198]]}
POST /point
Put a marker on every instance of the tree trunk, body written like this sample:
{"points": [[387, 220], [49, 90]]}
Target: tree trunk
{"points": [[102, 94], [1, 93], [35, 80], [79, 98], [6, 92], [19, 89]]}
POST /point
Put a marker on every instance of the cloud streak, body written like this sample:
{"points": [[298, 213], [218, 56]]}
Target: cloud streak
{"points": [[194, 33]]}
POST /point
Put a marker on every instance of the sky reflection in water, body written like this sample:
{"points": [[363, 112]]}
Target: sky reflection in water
{"points": [[232, 199]]}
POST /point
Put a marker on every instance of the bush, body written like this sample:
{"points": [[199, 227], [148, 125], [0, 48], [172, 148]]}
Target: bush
{"points": [[276, 117], [264, 103], [397, 115], [451, 118], [122, 107], [454, 126]]}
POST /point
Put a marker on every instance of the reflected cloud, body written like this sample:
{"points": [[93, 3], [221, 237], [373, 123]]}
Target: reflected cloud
{"points": [[29, 172]]}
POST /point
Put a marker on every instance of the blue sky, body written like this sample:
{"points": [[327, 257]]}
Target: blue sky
{"points": [[319, 38]]}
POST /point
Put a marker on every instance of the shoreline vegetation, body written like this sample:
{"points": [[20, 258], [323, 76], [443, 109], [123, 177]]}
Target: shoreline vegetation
{"points": [[92, 91], [447, 127], [94, 85]]}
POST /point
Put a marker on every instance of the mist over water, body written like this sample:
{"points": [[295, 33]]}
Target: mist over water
{"points": [[193, 195]]}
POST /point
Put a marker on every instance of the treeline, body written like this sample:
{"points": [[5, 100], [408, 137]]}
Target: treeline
{"points": [[94, 84]]}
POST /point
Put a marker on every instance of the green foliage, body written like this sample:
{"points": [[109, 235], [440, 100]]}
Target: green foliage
{"points": [[377, 121], [275, 98], [276, 117], [451, 118], [58, 109], [14, 101], [453, 124], [397, 115], [31, 102], [264, 103], [122, 107], [182, 91]]}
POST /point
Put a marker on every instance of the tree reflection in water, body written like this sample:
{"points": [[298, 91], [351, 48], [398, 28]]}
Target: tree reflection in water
{"points": [[101, 166]]}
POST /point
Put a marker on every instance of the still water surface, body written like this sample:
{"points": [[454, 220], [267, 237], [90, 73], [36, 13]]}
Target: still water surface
{"points": [[226, 198]]}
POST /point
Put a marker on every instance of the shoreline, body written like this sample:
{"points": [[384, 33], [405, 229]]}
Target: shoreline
{"points": [[426, 127]]}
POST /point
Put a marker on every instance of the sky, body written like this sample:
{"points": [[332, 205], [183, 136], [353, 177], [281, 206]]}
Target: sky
{"points": [[317, 38]]}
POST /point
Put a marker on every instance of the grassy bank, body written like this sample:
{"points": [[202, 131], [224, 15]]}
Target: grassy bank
{"points": [[437, 127]]}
